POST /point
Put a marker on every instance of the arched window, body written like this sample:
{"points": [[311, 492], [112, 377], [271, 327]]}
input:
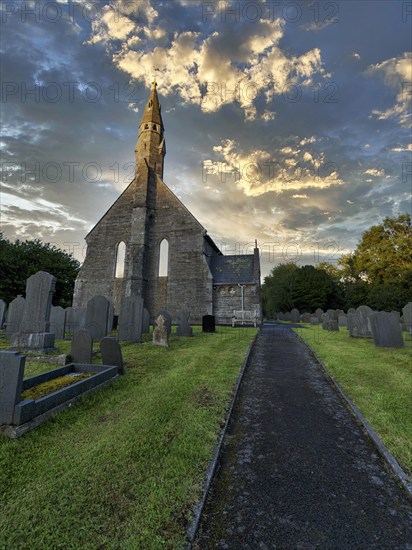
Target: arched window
{"points": [[154, 127], [120, 260], [164, 258]]}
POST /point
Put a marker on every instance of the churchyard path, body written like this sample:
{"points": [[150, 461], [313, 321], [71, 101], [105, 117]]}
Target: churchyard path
{"points": [[296, 470]]}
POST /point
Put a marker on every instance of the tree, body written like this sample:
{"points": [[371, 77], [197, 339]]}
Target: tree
{"points": [[21, 259]]}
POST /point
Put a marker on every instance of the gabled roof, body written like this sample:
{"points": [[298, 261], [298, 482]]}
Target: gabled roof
{"points": [[233, 270]]}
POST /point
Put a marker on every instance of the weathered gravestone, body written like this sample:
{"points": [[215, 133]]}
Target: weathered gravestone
{"points": [[110, 318], [351, 310], [130, 319], [111, 353], [314, 321], [146, 322], [305, 317], [407, 317], [386, 329], [14, 316], [208, 323], [97, 314], [332, 315], [330, 324], [295, 315], [287, 316], [11, 381], [34, 332], [160, 332], [319, 313], [3, 306], [279, 316], [342, 320], [359, 324], [184, 328], [167, 317], [81, 347], [57, 322]]}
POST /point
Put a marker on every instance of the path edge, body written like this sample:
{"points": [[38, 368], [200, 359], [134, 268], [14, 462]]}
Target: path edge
{"points": [[211, 469], [403, 477]]}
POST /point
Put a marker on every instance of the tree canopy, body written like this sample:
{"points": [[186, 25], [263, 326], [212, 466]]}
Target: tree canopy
{"points": [[21, 259]]}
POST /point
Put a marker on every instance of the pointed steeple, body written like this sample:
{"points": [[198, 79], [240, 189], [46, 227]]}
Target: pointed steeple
{"points": [[150, 146]]}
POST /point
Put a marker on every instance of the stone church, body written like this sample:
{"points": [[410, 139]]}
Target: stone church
{"points": [[149, 244]]}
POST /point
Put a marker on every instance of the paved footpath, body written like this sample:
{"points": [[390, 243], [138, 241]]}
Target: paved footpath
{"points": [[296, 469]]}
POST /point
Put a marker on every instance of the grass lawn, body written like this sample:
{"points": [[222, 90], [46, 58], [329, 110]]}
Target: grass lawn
{"points": [[124, 467], [378, 380]]}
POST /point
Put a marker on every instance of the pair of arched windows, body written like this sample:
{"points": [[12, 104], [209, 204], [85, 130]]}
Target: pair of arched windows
{"points": [[163, 259]]}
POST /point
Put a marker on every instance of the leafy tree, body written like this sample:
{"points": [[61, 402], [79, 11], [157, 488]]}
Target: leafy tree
{"points": [[21, 259], [276, 289]]}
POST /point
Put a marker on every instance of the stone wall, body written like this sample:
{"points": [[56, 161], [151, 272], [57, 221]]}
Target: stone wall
{"points": [[227, 298]]}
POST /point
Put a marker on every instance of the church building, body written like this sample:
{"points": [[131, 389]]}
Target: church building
{"points": [[149, 244]]}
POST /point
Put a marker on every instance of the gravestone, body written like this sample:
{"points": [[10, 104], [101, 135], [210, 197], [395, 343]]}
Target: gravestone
{"points": [[130, 319], [80, 317], [208, 323], [34, 332], [81, 347], [287, 316], [184, 328], [71, 322], [110, 318], [314, 321], [167, 317], [57, 322], [295, 316], [386, 329], [319, 313], [146, 322], [111, 353], [11, 382], [351, 310], [330, 324], [14, 316], [343, 320], [359, 327], [407, 317], [160, 332], [279, 316], [332, 315], [305, 317], [3, 306], [97, 313]]}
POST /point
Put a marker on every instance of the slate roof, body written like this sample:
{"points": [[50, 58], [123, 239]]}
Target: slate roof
{"points": [[233, 270]]}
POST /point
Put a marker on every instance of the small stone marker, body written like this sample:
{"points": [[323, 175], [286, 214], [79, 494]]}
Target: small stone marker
{"points": [[130, 319], [3, 306], [14, 316], [160, 332], [97, 315], [407, 317], [34, 332], [208, 323], [146, 322], [82, 347], [11, 381], [342, 320], [184, 328], [167, 317], [57, 322], [386, 329], [111, 353]]}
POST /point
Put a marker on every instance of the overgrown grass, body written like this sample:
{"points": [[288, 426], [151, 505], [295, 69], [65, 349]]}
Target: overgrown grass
{"points": [[124, 467], [378, 380]]}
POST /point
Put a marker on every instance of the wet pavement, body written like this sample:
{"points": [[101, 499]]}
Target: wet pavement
{"points": [[296, 470]]}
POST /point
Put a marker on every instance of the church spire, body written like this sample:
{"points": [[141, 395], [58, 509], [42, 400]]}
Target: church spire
{"points": [[150, 146]]}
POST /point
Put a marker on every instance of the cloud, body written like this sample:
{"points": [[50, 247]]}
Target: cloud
{"points": [[374, 172], [402, 149], [397, 75]]}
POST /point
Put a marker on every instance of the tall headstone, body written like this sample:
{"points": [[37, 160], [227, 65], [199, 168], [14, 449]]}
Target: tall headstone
{"points": [[111, 353], [14, 316], [160, 332], [34, 333], [97, 314], [146, 322], [407, 317], [184, 328], [80, 316], [131, 319], [295, 315], [57, 322], [3, 306], [208, 323], [81, 347], [359, 323], [386, 329], [11, 382], [167, 317], [71, 322]]}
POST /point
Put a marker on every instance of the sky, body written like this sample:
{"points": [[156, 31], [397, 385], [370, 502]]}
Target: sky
{"points": [[285, 122]]}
